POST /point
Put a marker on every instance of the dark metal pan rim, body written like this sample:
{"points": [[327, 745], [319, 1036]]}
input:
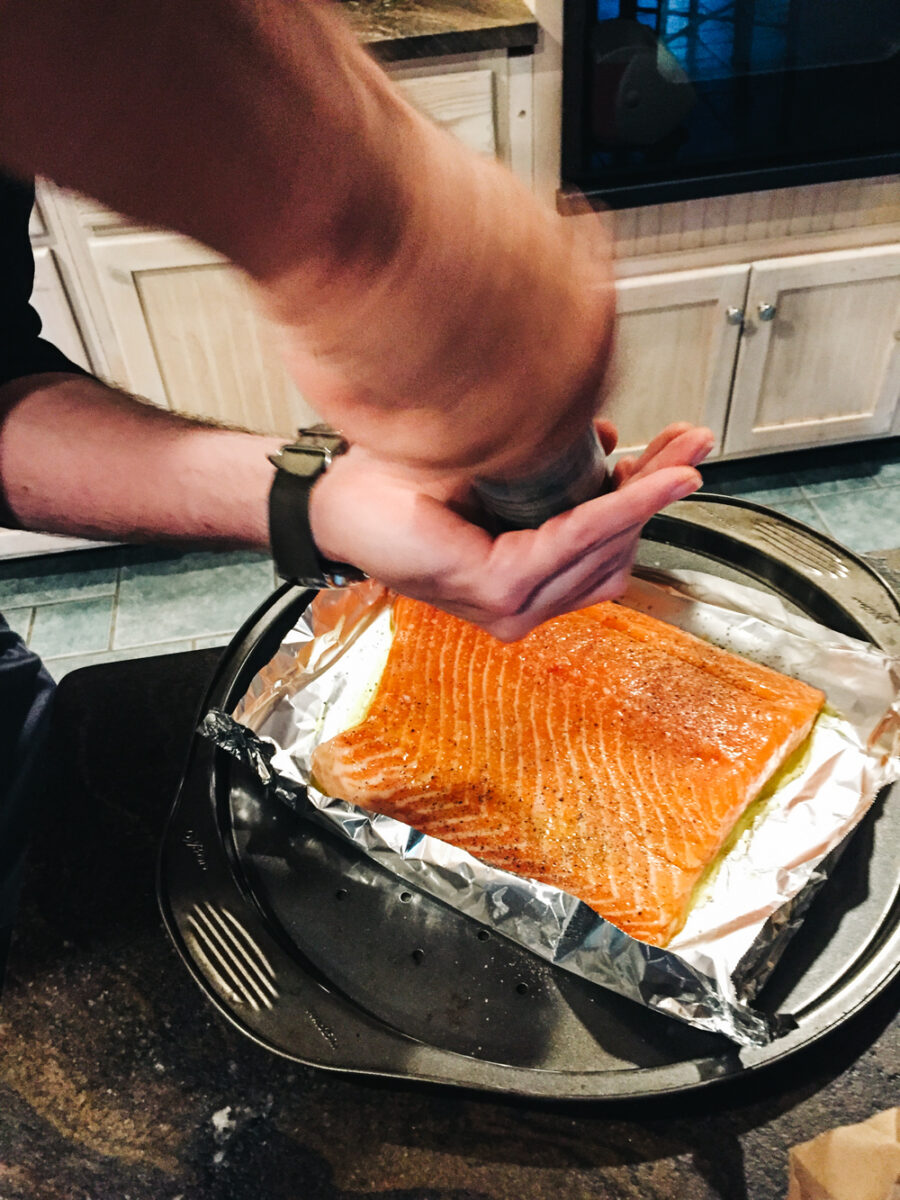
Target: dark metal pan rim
{"points": [[859, 602], [641, 1082]]}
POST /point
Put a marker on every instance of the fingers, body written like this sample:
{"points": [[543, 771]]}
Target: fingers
{"points": [[665, 436], [608, 582], [412, 542], [578, 557], [575, 559], [677, 445], [644, 496], [607, 433], [624, 469], [628, 466]]}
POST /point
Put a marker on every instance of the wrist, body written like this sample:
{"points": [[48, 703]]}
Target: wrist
{"points": [[299, 467], [220, 483]]}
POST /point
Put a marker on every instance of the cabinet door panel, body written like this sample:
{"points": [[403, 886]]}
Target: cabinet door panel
{"points": [[191, 336], [52, 304], [674, 353], [37, 226], [461, 101], [825, 366]]}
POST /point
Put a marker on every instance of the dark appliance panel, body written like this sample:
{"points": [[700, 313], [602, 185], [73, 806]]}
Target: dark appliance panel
{"points": [[671, 99]]}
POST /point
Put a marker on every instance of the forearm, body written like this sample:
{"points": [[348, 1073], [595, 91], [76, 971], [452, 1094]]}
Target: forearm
{"points": [[79, 458], [432, 309], [256, 126]]}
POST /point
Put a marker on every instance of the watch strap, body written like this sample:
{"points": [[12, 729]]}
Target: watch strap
{"points": [[293, 547]]}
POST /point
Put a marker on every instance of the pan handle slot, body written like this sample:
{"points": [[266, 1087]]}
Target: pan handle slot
{"points": [[824, 578]]}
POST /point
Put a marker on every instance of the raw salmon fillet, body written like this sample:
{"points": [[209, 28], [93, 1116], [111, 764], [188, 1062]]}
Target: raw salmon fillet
{"points": [[607, 753]]}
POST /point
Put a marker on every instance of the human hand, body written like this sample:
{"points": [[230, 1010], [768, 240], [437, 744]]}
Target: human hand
{"points": [[413, 533], [678, 444]]}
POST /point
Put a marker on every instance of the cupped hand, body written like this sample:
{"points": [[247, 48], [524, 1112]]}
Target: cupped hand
{"points": [[415, 535]]}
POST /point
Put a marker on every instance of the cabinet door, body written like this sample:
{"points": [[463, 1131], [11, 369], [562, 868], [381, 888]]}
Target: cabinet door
{"points": [[190, 335], [819, 360], [52, 303], [673, 360], [461, 101]]}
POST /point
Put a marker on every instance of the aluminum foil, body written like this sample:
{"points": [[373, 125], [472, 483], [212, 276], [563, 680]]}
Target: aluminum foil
{"points": [[322, 679]]}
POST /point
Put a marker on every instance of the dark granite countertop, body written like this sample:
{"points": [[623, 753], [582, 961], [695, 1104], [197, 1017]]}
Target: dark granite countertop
{"points": [[118, 1079], [401, 29]]}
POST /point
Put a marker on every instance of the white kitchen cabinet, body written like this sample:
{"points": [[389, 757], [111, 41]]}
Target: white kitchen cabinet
{"points": [[50, 299], [676, 341], [190, 335], [461, 101], [772, 355], [819, 358], [37, 226]]}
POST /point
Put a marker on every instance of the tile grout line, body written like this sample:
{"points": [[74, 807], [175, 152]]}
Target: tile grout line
{"points": [[828, 530], [125, 651], [188, 638], [115, 610], [844, 491], [58, 603]]}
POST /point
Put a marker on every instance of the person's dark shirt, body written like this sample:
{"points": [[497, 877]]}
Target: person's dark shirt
{"points": [[26, 689], [22, 349]]}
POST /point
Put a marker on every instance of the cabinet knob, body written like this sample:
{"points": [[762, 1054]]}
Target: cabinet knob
{"points": [[734, 316], [766, 312]]}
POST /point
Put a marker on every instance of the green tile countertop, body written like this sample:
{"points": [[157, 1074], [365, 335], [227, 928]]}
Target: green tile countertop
{"points": [[398, 29]]}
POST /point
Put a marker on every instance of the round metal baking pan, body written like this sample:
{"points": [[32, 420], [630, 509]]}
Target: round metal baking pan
{"points": [[321, 955]]}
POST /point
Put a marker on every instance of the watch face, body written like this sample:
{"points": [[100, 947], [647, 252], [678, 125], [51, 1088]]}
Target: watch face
{"points": [[306, 461], [321, 437]]}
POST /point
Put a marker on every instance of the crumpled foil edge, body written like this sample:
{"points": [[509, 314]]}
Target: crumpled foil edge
{"points": [[579, 941], [708, 980]]}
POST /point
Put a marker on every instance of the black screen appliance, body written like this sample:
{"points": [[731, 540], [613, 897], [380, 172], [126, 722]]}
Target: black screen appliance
{"points": [[674, 99]]}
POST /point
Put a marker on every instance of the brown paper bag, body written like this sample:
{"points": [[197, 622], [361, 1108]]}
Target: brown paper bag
{"points": [[854, 1162]]}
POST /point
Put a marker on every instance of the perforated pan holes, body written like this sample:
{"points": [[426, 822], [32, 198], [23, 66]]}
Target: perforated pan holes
{"points": [[521, 988]]}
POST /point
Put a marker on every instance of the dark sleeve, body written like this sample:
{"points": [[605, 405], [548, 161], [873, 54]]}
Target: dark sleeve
{"points": [[22, 350]]}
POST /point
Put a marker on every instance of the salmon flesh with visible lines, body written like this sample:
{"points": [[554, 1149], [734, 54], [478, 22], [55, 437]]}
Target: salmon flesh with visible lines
{"points": [[607, 753]]}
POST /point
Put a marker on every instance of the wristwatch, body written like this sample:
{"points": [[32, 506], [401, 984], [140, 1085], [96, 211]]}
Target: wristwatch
{"points": [[294, 550]]}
